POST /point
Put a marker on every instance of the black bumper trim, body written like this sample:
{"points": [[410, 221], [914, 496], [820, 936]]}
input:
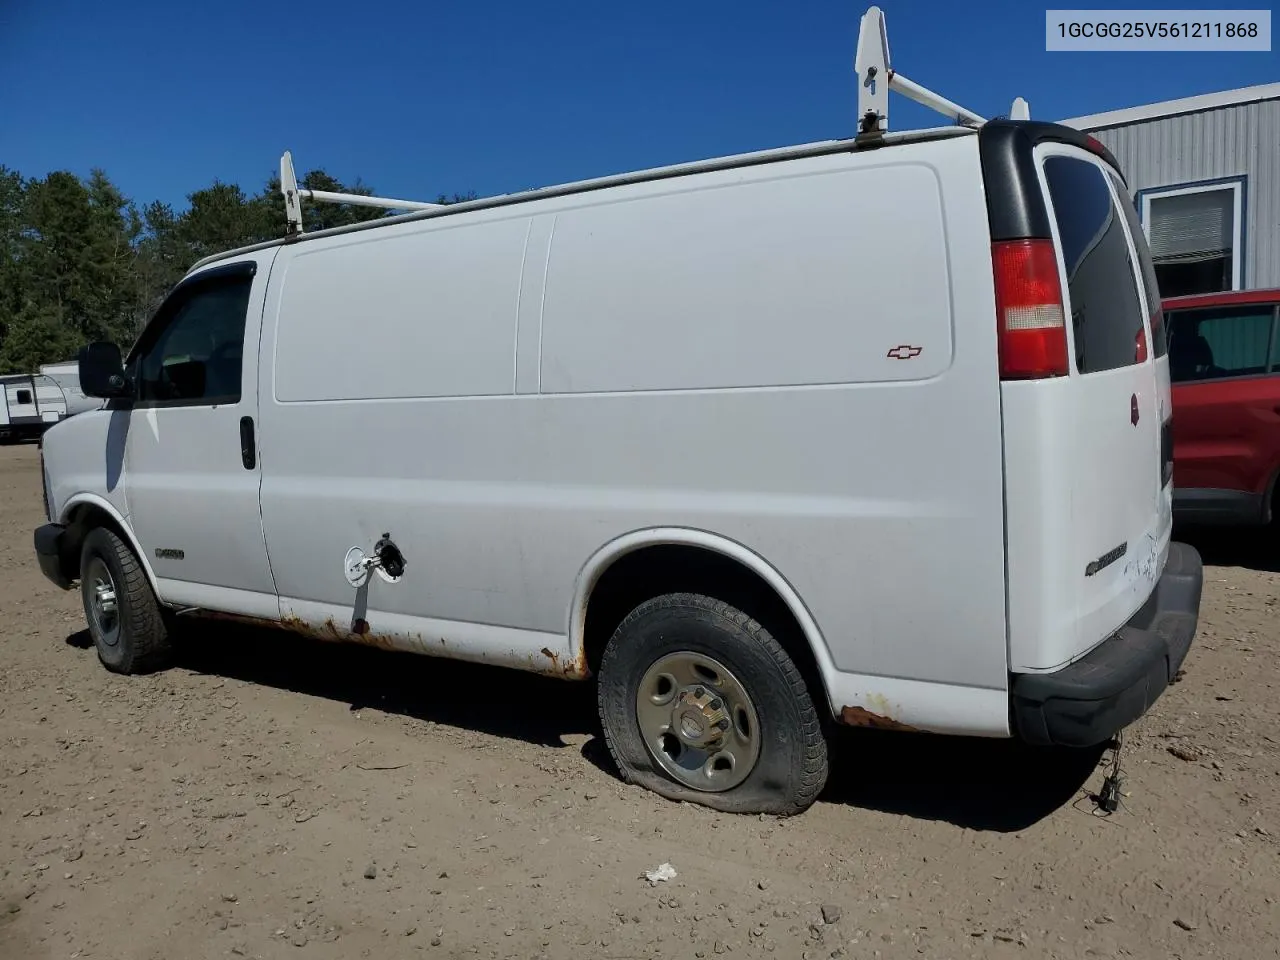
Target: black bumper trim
{"points": [[1209, 507], [49, 540], [1100, 694]]}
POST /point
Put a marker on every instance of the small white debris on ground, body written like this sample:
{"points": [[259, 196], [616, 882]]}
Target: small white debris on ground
{"points": [[664, 871]]}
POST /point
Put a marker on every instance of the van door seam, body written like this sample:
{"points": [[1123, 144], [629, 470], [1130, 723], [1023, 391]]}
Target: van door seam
{"points": [[258, 431], [524, 265], [542, 299]]}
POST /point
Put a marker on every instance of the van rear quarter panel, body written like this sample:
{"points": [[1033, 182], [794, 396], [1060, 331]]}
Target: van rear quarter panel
{"points": [[717, 352]]}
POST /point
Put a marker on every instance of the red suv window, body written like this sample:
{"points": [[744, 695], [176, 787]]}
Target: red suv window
{"points": [[1214, 343]]}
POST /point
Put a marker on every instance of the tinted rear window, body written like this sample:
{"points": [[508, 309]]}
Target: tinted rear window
{"points": [[1106, 309]]}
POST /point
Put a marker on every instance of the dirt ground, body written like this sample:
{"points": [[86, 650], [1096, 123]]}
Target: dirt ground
{"points": [[276, 797]]}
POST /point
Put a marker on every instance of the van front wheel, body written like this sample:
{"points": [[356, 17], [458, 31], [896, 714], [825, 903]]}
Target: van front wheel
{"points": [[124, 618], [699, 702]]}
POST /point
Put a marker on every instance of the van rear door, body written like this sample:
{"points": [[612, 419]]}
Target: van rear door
{"points": [[1087, 470], [1120, 527]]}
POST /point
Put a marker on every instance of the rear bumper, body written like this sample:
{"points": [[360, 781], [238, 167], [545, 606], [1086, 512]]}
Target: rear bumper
{"points": [[49, 540], [1094, 698], [1215, 507]]}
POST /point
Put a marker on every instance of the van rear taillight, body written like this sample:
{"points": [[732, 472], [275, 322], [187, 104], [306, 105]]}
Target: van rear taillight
{"points": [[1032, 326]]}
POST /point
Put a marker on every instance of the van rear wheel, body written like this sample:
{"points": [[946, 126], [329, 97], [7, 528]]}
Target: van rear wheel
{"points": [[699, 702], [123, 614]]}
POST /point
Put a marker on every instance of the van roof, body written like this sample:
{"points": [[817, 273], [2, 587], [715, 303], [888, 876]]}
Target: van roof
{"points": [[876, 78], [820, 148]]}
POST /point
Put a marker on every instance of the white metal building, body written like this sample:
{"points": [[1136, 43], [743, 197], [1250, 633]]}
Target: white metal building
{"points": [[1205, 176]]}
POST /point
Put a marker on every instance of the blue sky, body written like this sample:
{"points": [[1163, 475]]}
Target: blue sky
{"points": [[419, 98]]}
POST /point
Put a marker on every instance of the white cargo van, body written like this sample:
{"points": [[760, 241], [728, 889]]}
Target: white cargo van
{"points": [[871, 432], [29, 405]]}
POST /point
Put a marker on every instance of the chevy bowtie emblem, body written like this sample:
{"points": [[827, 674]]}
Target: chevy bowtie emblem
{"points": [[1133, 409], [904, 351]]}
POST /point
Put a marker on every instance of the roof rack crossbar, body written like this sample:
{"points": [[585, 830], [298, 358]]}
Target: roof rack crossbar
{"points": [[360, 200], [294, 195], [876, 78]]}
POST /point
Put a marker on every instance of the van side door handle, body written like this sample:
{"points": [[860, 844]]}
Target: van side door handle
{"points": [[248, 449]]}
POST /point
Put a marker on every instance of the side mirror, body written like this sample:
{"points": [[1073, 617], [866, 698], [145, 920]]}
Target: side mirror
{"points": [[102, 372]]}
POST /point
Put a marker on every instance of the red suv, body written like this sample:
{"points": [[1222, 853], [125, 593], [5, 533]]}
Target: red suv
{"points": [[1224, 363]]}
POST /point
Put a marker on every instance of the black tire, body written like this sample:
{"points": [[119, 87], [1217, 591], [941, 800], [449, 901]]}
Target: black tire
{"points": [[791, 768], [141, 641]]}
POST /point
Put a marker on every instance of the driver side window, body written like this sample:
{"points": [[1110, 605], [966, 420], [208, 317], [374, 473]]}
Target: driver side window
{"points": [[195, 355]]}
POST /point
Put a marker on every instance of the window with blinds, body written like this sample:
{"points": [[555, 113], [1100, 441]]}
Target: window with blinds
{"points": [[1194, 239]]}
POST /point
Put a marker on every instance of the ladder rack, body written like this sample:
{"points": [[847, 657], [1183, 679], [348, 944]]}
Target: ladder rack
{"points": [[876, 77], [294, 195]]}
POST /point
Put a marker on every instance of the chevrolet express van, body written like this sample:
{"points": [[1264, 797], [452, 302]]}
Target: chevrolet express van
{"points": [[871, 432]]}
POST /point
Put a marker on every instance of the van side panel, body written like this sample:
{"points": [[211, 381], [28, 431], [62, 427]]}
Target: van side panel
{"points": [[877, 496], [764, 283], [402, 313], [798, 357]]}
